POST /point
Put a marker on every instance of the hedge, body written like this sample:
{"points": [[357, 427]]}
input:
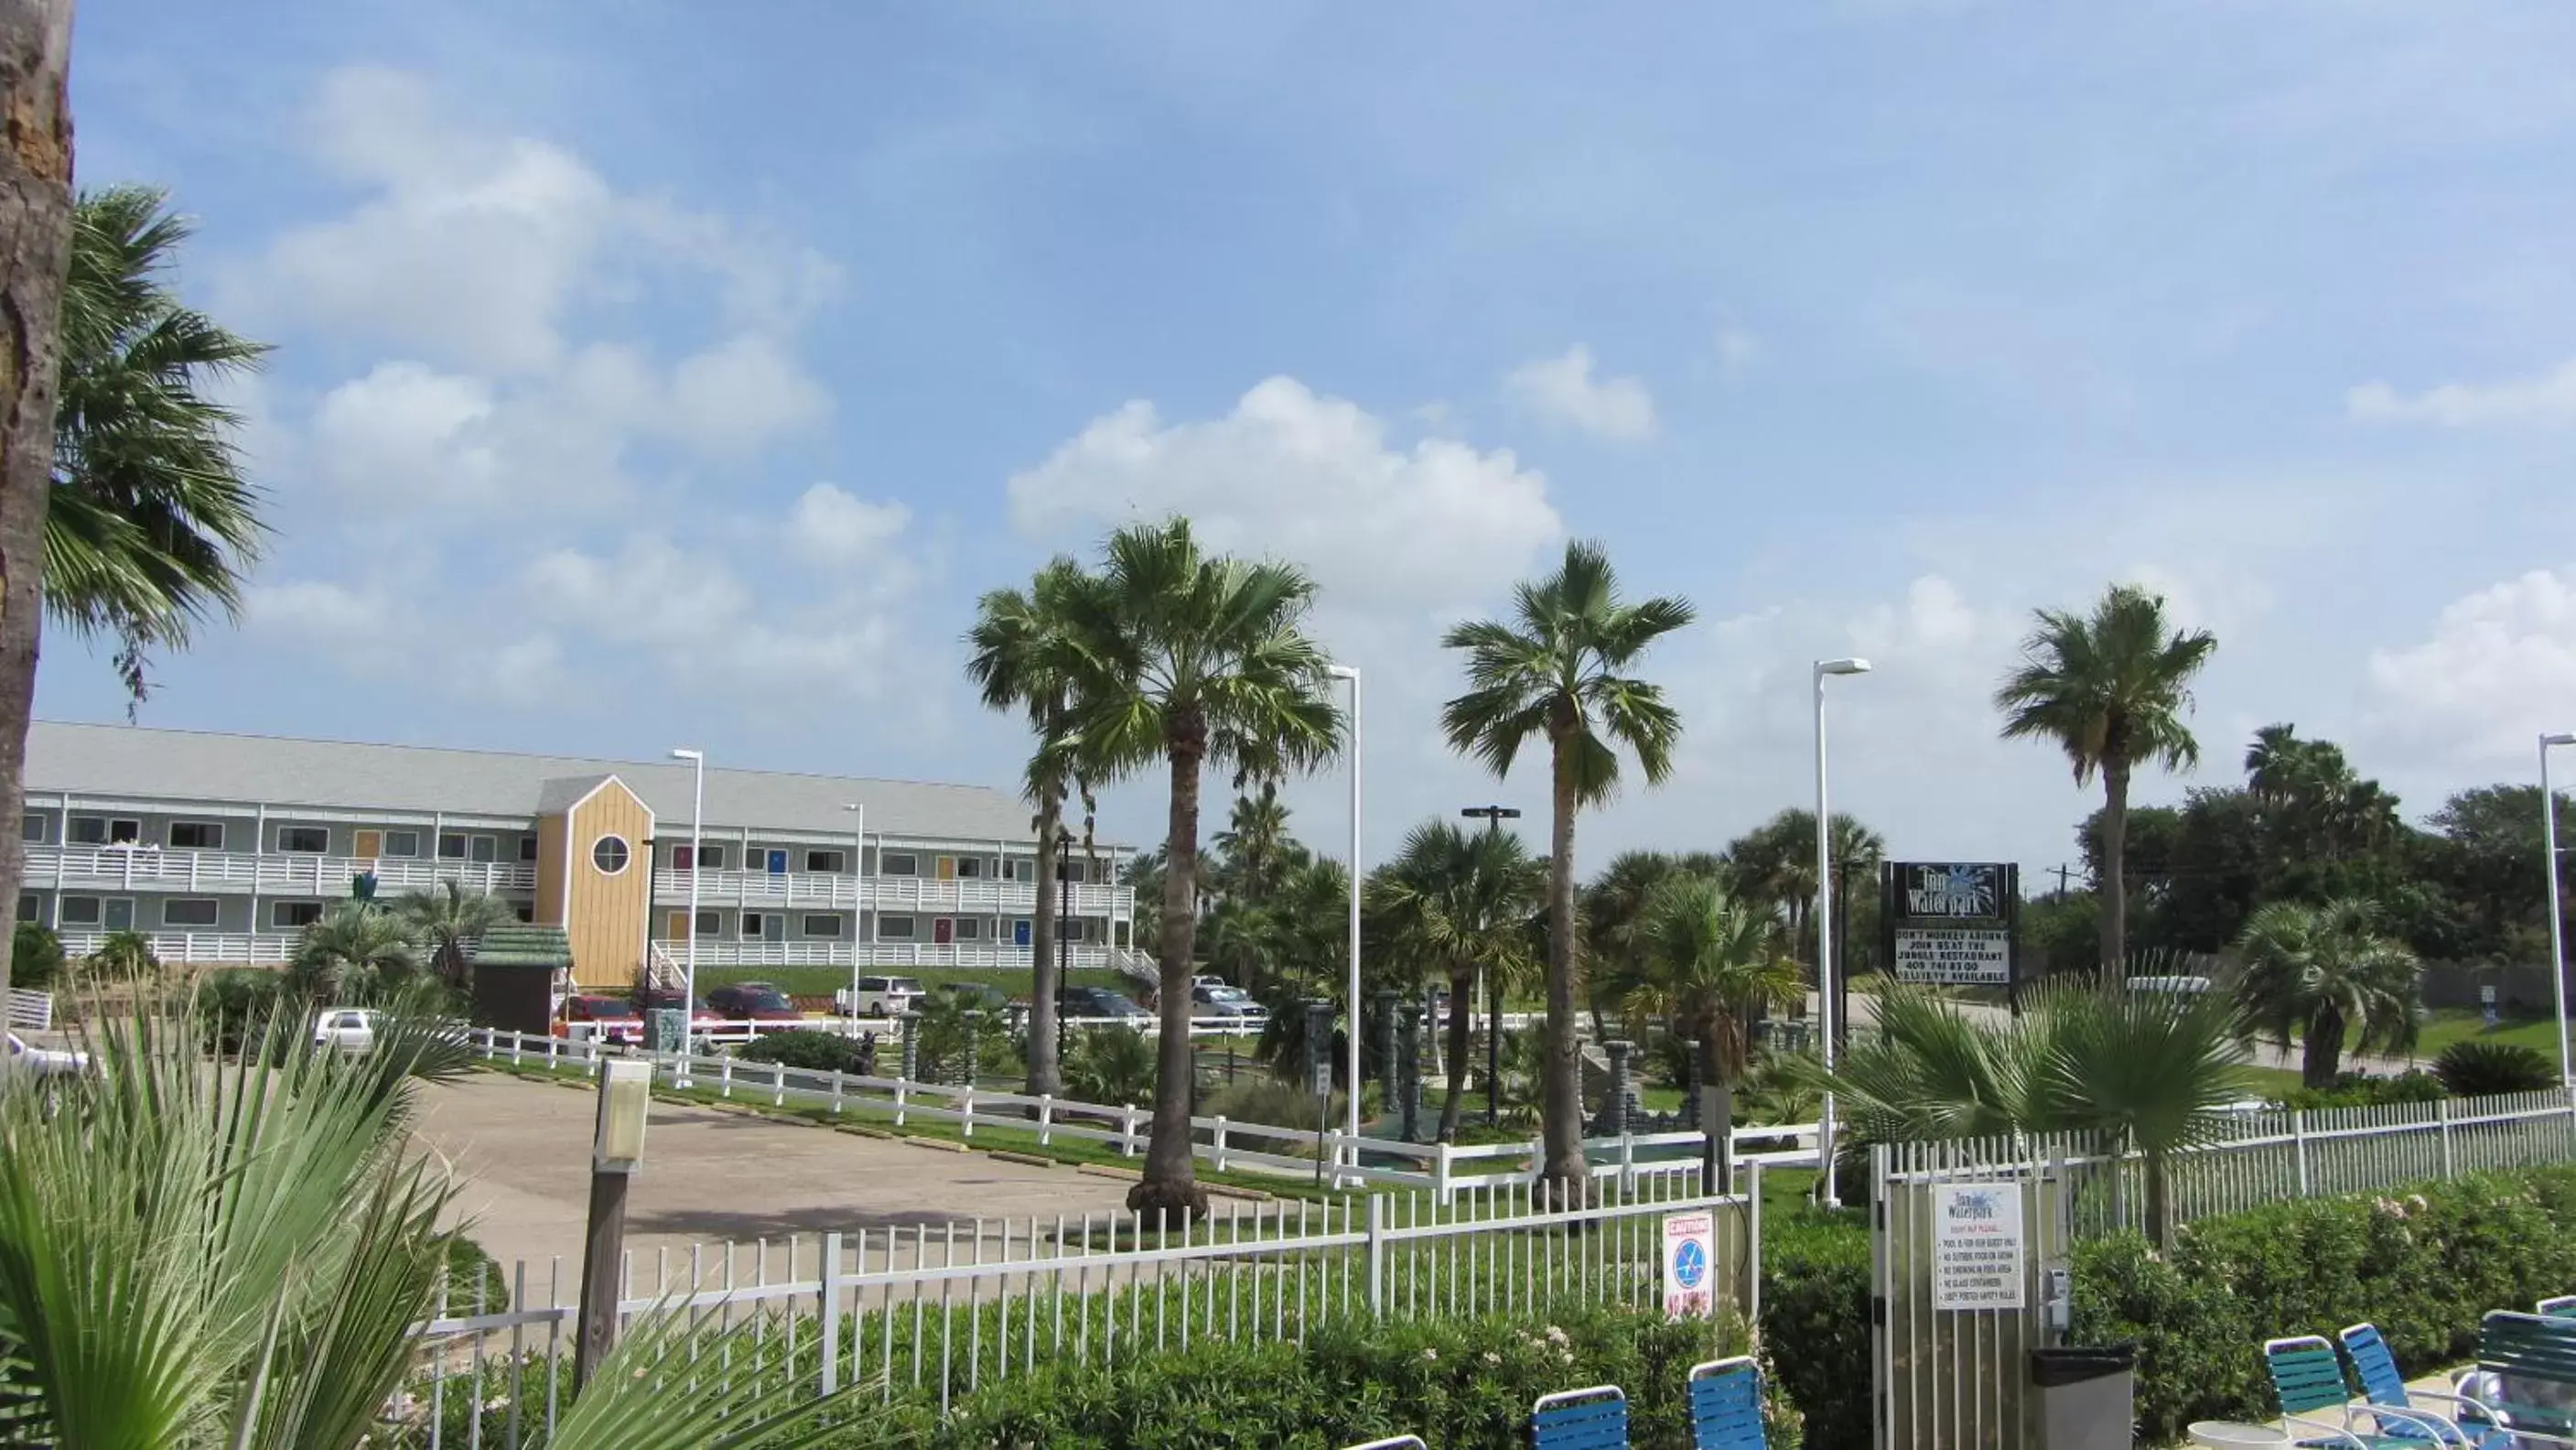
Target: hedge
{"points": [[1815, 1325]]}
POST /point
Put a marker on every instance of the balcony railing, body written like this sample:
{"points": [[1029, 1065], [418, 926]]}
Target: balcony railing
{"points": [[879, 893], [200, 948], [117, 868], [879, 954]]}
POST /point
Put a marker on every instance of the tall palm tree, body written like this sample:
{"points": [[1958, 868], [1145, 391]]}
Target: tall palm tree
{"points": [[2110, 689], [1461, 900], [2314, 973], [1612, 906], [449, 920], [352, 947], [152, 524], [1710, 962], [1256, 844], [1027, 658], [1193, 659], [1557, 672]]}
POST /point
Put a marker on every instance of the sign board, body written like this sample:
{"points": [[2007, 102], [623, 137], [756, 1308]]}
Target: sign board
{"points": [[1690, 1265], [1950, 923], [1978, 1251], [2487, 1007]]}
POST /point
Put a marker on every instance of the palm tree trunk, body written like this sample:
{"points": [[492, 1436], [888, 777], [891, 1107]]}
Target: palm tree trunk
{"points": [[1494, 1043], [2159, 1203], [1170, 1191], [1717, 1116], [1561, 1096], [1046, 1072], [35, 251], [2114, 891], [1462, 1009], [2321, 1052]]}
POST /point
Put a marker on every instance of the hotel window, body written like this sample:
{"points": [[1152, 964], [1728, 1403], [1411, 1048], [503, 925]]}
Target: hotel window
{"points": [[402, 843], [894, 928], [898, 863], [825, 861], [710, 858], [294, 915], [31, 829], [764, 925], [79, 911], [824, 925], [196, 835], [312, 840], [1071, 870], [29, 909], [970, 929], [106, 830], [710, 923], [527, 912], [189, 911]]}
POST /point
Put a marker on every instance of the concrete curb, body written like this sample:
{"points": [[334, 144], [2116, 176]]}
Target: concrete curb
{"points": [[1028, 1160], [1103, 1170]]}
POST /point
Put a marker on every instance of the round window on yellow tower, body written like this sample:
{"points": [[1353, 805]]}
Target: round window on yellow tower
{"points": [[609, 855]]}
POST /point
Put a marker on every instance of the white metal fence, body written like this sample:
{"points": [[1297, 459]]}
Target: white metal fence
{"points": [[1443, 1168], [926, 1313], [30, 1011]]}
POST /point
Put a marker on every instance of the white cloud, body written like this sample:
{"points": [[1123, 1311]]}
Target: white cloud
{"points": [[1562, 390], [1306, 478], [734, 397], [2499, 668], [837, 529], [2546, 399]]}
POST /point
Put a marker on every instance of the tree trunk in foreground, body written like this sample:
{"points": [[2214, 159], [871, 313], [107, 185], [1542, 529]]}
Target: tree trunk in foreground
{"points": [[2115, 868], [1171, 1192], [1462, 1007], [1567, 1173], [35, 251], [1046, 1071]]}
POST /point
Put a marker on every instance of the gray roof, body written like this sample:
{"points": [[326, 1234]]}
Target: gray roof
{"points": [[136, 762]]}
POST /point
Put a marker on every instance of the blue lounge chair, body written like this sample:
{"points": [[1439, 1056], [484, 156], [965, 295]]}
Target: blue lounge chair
{"points": [[1586, 1419], [1726, 1405], [2308, 1378], [2384, 1385], [1394, 1442], [2561, 1307]]}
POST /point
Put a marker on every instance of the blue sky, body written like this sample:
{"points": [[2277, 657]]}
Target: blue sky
{"points": [[645, 379]]}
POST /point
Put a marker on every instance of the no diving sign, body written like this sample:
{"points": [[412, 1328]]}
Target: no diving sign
{"points": [[1978, 1253], [1690, 1265]]}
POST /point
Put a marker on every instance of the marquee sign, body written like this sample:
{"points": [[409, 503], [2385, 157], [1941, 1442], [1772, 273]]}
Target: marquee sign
{"points": [[1950, 923]]}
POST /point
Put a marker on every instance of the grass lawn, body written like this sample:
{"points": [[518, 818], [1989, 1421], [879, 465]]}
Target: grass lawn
{"points": [[823, 981], [2451, 1025], [2271, 1082]]}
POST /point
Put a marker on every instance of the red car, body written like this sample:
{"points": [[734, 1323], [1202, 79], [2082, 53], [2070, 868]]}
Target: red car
{"points": [[654, 998], [753, 1002], [610, 1019]]}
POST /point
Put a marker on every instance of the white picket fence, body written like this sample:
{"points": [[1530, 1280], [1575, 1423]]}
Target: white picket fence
{"points": [[1443, 1168]]}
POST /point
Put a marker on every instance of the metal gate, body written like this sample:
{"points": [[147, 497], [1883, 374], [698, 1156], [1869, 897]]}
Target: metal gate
{"points": [[1969, 1253]]}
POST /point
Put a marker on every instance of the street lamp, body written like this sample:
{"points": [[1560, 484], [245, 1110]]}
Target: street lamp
{"points": [[2557, 927], [616, 1151], [1825, 922], [1351, 1114], [859, 876], [689, 961], [1493, 817]]}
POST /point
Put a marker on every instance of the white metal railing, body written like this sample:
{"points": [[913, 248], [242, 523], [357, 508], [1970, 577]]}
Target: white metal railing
{"points": [[927, 1313], [1443, 1168], [878, 893], [716, 953], [122, 868], [33, 1011], [200, 948]]}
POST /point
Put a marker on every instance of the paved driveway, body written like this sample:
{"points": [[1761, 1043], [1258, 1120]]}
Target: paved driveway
{"points": [[523, 1149]]}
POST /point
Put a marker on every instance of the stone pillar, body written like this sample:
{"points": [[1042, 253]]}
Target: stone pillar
{"points": [[971, 1055], [1690, 1087], [1613, 1118], [1388, 1092], [1408, 1070], [912, 1051]]}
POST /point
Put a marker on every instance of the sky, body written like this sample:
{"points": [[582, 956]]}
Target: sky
{"points": [[648, 374]]}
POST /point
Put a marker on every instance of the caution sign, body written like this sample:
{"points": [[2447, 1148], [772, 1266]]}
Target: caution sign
{"points": [[1978, 1253], [1690, 1265]]}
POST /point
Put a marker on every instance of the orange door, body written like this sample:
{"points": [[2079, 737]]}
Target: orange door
{"points": [[367, 845], [679, 927], [947, 868]]}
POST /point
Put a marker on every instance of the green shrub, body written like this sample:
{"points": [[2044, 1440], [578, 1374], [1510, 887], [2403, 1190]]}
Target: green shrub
{"points": [[470, 1272], [1111, 1066], [1815, 1326], [803, 1047], [2361, 1090], [35, 957], [233, 1004], [2478, 1068]]}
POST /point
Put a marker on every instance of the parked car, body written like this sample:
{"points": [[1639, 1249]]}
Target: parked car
{"points": [[880, 997], [753, 1002], [345, 1029], [1101, 1002], [610, 1019], [25, 1056], [654, 999], [1230, 1003]]}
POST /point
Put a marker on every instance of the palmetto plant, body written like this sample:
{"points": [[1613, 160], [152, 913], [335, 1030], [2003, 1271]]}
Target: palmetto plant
{"points": [[448, 920], [1709, 962], [2313, 974], [125, 956], [1192, 659], [1558, 673], [354, 947], [2110, 689], [1458, 902]]}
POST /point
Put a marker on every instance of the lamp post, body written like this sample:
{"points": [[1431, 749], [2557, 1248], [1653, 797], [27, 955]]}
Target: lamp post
{"points": [[616, 1150], [859, 876], [689, 961], [1825, 923], [1351, 1114], [1063, 934], [1493, 817], [2557, 926]]}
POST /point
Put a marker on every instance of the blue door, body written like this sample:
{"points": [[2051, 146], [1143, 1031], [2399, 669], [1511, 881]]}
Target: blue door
{"points": [[1019, 933], [777, 863]]}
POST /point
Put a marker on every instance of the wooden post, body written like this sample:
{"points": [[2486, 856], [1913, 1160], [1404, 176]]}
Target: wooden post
{"points": [[603, 1252]]}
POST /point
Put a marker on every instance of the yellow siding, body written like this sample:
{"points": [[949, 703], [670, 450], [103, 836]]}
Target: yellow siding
{"points": [[550, 870], [606, 915]]}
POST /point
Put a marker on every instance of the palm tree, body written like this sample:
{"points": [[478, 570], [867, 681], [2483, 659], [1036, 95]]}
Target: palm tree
{"points": [[151, 523], [1192, 659], [1710, 962], [449, 921], [2111, 690], [1613, 905], [124, 956], [2314, 973], [1557, 672], [1027, 658], [1461, 901], [353, 946], [1256, 845]]}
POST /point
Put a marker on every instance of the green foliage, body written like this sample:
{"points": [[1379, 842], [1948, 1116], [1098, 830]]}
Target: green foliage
{"points": [[125, 956], [2364, 1090], [1112, 1066], [232, 1004], [803, 1047], [2314, 973], [355, 948], [2423, 1265], [2475, 1069], [35, 957], [946, 1024], [1815, 1326]]}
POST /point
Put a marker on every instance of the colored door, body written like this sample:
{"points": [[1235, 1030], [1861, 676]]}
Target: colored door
{"points": [[777, 863], [678, 926], [683, 858], [1019, 933], [368, 845], [947, 868], [943, 931]]}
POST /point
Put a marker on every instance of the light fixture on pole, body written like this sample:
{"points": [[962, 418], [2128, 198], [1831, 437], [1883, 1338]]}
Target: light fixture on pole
{"points": [[616, 1151], [858, 948], [689, 960], [1493, 817], [1351, 1114], [2557, 923], [1825, 923]]}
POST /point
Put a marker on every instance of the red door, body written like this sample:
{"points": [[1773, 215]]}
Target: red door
{"points": [[942, 931]]}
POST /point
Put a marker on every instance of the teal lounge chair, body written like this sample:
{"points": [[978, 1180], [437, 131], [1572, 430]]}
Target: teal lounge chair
{"points": [[2562, 1307], [2531, 1361], [2384, 1385], [1586, 1419], [1726, 1405], [2309, 1380], [1397, 1442]]}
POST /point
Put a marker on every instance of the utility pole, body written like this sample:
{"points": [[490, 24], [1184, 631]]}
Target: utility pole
{"points": [[1493, 817]]}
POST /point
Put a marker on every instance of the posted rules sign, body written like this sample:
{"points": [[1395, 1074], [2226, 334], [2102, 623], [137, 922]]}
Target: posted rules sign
{"points": [[1978, 1252], [1690, 1265]]}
